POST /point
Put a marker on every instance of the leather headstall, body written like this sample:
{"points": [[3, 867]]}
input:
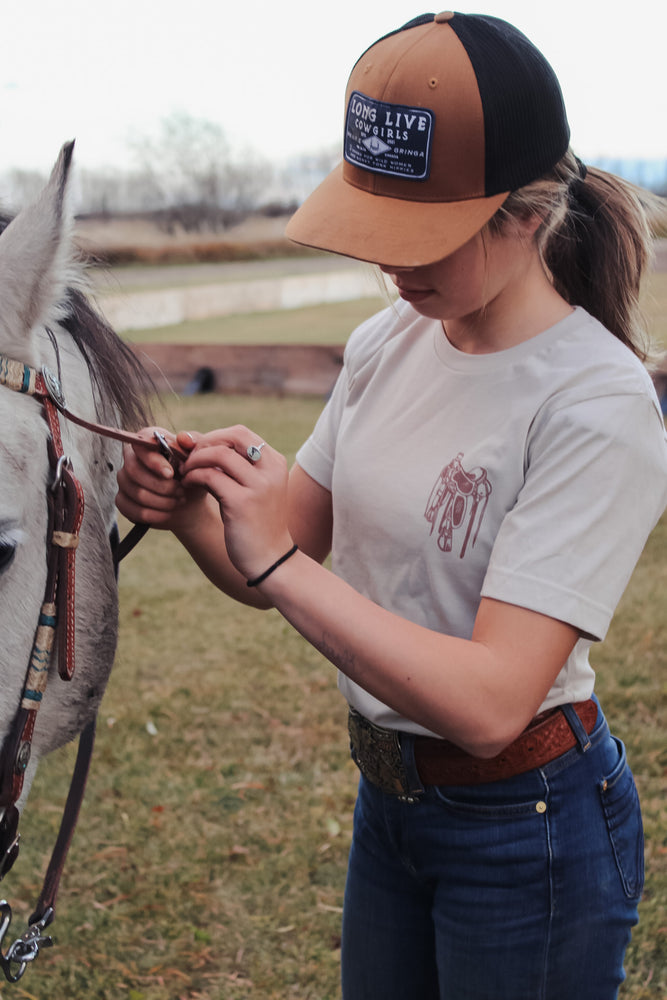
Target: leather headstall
{"points": [[56, 626]]}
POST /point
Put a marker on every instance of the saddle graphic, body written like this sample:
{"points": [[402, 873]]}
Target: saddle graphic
{"points": [[458, 503]]}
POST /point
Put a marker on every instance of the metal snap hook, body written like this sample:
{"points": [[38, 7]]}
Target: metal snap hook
{"points": [[6, 960], [26, 948]]}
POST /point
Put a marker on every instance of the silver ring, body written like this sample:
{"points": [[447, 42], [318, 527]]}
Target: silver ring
{"points": [[254, 451]]}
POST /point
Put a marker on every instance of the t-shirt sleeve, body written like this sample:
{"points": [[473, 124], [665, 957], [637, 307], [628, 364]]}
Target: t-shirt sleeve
{"points": [[595, 485], [317, 454]]}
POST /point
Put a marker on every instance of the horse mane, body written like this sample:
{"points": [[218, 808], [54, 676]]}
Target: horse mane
{"points": [[123, 387], [121, 381]]}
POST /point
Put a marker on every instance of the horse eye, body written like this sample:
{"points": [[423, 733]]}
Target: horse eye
{"points": [[7, 553]]}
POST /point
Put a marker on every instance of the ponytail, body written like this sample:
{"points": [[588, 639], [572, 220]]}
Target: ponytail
{"points": [[595, 240]]}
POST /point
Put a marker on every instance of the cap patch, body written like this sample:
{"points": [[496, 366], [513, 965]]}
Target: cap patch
{"points": [[388, 138]]}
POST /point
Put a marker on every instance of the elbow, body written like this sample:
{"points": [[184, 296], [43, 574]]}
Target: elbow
{"points": [[485, 750], [487, 741]]}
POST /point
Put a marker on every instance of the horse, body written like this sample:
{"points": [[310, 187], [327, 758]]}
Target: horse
{"points": [[51, 336]]}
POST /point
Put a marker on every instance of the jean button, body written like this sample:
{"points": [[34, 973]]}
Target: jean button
{"points": [[540, 807]]}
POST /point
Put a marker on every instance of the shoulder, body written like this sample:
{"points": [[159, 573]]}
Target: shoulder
{"points": [[581, 372], [601, 408], [368, 342], [595, 363]]}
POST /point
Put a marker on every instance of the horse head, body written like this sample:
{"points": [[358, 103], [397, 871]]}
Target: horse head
{"points": [[57, 519], [46, 320]]}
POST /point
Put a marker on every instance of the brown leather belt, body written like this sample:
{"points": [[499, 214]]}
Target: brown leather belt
{"points": [[377, 752]]}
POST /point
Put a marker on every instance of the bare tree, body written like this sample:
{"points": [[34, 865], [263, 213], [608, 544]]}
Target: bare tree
{"points": [[20, 187], [190, 166]]}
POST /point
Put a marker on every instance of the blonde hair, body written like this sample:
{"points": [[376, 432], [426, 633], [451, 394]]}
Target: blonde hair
{"points": [[595, 240]]}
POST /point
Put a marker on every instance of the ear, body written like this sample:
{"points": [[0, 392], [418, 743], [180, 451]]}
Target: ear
{"points": [[522, 226], [530, 224], [35, 254]]}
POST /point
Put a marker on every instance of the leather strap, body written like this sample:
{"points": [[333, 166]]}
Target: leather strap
{"points": [[57, 616], [50, 390], [47, 898], [546, 738], [65, 515], [379, 752], [66, 505]]}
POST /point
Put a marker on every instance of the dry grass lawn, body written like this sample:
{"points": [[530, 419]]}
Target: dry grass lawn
{"points": [[210, 857]]}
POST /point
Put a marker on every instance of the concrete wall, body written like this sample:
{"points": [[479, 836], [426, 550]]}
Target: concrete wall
{"points": [[141, 310]]}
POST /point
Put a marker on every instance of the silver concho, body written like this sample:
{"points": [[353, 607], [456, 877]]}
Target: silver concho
{"points": [[53, 387]]}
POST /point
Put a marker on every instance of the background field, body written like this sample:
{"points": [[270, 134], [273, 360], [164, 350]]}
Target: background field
{"points": [[210, 857], [329, 323]]}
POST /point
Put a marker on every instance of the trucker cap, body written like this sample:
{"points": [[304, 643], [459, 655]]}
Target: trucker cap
{"points": [[444, 118]]}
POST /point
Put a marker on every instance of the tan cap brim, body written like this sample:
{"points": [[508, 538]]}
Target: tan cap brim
{"points": [[343, 219]]}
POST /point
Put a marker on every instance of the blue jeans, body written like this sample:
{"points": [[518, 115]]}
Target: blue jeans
{"points": [[523, 889]]}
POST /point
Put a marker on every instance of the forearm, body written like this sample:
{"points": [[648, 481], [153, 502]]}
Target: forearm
{"points": [[480, 693], [203, 536], [450, 686]]}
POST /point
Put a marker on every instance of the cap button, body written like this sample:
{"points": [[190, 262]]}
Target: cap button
{"points": [[443, 16]]}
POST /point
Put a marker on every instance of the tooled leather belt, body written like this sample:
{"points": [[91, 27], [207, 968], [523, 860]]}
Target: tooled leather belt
{"points": [[378, 753]]}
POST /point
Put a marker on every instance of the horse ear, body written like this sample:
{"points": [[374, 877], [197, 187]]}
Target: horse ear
{"points": [[35, 265]]}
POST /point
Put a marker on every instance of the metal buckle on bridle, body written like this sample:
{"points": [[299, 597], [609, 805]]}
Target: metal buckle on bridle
{"points": [[64, 462], [26, 948]]}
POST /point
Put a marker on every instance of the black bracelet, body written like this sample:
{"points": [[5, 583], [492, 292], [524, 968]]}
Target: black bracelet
{"points": [[277, 563]]}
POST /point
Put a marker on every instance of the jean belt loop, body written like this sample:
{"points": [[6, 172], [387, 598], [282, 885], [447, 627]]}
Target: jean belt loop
{"points": [[577, 727], [415, 785]]}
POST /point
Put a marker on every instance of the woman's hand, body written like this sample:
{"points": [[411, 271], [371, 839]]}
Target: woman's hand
{"points": [[253, 495], [149, 488]]}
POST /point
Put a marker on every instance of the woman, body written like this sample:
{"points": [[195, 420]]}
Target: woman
{"points": [[486, 474]]}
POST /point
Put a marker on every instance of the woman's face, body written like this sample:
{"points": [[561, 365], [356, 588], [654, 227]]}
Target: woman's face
{"points": [[486, 270]]}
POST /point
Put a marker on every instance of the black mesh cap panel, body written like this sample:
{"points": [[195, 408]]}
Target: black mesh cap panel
{"points": [[525, 124]]}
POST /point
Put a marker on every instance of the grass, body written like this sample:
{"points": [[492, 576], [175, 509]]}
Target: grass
{"points": [[631, 667], [210, 856], [332, 323], [328, 324]]}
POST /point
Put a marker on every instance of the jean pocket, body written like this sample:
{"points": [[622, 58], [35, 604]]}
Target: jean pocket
{"points": [[482, 803], [620, 804]]}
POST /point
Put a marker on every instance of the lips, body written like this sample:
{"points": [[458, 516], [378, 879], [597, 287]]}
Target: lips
{"points": [[414, 294]]}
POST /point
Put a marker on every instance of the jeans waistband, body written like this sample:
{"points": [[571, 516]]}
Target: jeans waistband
{"points": [[402, 764]]}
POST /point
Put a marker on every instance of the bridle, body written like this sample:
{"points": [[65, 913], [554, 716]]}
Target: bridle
{"points": [[55, 627]]}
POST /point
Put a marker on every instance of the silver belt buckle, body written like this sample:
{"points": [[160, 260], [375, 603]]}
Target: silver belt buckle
{"points": [[377, 753]]}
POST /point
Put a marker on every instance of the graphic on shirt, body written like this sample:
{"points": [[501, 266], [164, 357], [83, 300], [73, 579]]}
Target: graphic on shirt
{"points": [[457, 504]]}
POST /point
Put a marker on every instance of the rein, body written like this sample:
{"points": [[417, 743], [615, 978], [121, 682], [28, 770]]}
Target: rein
{"points": [[56, 625]]}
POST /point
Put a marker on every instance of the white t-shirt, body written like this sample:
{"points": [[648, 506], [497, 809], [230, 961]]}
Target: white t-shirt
{"points": [[532, 475]]}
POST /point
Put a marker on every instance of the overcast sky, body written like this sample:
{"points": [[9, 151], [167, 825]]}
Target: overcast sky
{"points": [[273, 74]]}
